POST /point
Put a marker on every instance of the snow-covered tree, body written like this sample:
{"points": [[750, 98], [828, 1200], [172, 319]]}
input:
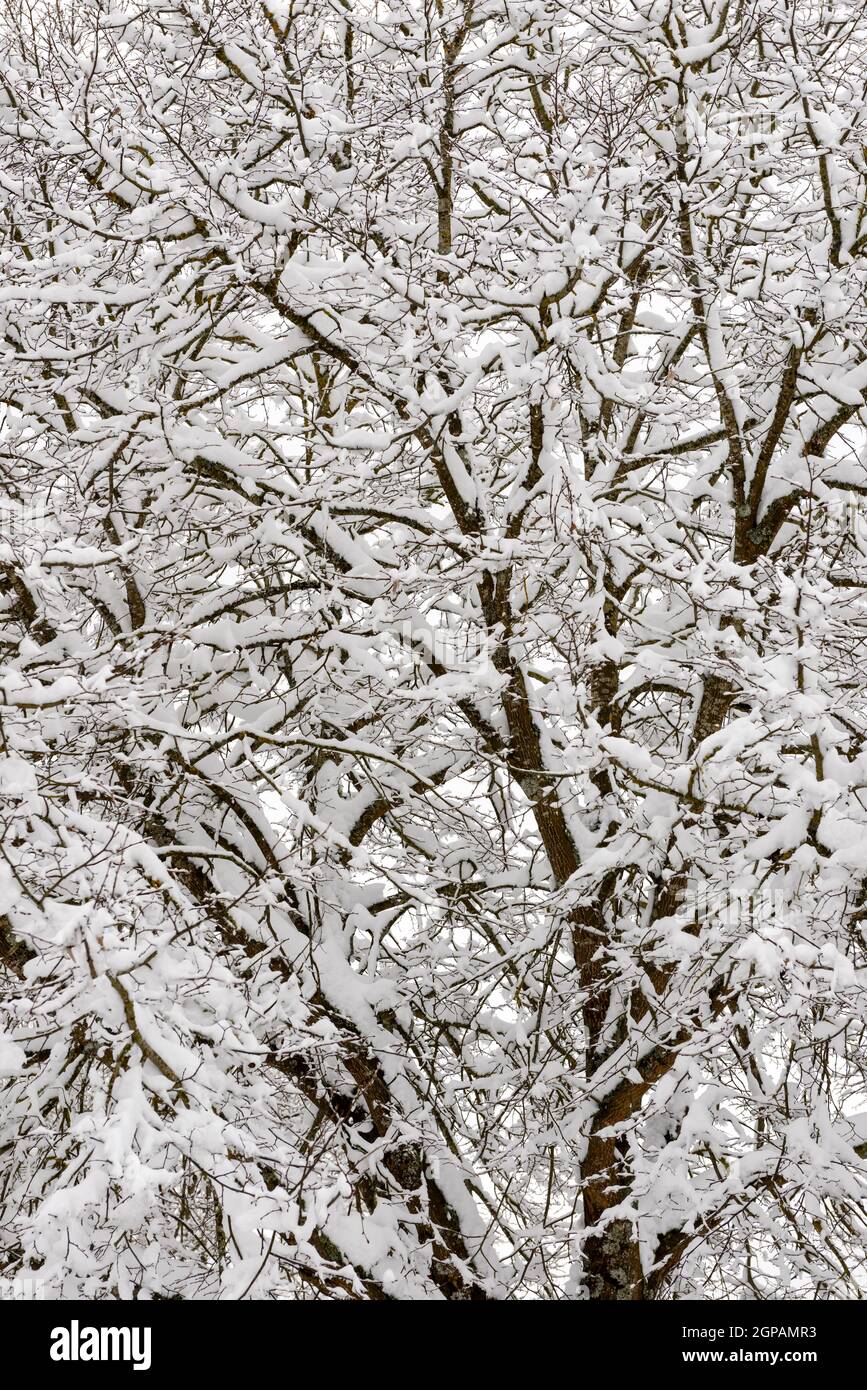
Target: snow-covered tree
{"points": [[434, 646]]}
